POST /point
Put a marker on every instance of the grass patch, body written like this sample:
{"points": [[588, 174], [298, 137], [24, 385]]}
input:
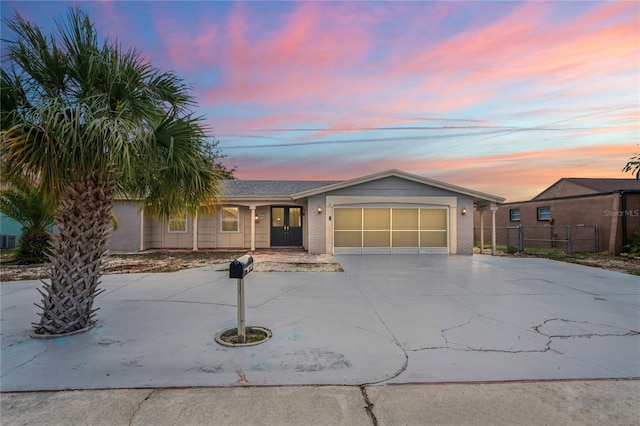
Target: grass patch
{"points": [[602, 260], [7, 255], [250, 336]]}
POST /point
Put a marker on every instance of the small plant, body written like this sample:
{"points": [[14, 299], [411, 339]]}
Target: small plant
{"points": [[634, 246], [30, 207], [512, 250]]}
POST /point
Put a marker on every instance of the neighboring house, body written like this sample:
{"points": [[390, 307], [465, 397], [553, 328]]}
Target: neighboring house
{"points": [[388, 212], [10, 232], [611, 204]]}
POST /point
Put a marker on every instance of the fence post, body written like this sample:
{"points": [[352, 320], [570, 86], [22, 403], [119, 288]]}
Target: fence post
{"points": [[520, 239], [568, 241], [597, 239]]}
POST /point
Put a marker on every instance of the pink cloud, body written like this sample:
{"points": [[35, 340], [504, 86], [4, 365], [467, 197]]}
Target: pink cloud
{"points": [[517, 176], [318, 57], [476, 66]]}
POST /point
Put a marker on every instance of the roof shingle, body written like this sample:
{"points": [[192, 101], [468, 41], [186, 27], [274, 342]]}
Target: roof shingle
{"points": [[606, 185], [272, 187]]}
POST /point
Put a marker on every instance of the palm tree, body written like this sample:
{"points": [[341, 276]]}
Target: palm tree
{"points": [[32, 209], [84, 120], [633, 165]]}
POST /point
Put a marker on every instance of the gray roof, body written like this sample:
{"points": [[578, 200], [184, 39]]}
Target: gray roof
{"points": [[272, 187], [606, 185]]}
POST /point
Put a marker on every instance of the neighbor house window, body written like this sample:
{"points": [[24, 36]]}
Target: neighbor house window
{"points": [[514, 215], [544, 213], [230, 219], [178, 224]]}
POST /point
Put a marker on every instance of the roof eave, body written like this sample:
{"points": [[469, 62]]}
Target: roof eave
{"points": [[258, 197]]}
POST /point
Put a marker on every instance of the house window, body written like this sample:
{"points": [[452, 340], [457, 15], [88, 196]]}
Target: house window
{"points": [[178, 224], [544, 213], [230, 219], [514, 215]]}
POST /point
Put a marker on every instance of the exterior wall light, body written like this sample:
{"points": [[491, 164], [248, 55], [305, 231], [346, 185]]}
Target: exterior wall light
{"points": [[464, 210], [319, 209], [257, 218]]}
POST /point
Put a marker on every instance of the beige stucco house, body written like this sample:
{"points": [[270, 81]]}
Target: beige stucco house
{"points": [[387, 212]]}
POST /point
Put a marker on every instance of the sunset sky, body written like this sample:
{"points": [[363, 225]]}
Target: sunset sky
{"points": [[501, 97]]}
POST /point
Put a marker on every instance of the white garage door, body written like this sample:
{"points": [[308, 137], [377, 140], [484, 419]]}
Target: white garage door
{"points": [[390, 230]]}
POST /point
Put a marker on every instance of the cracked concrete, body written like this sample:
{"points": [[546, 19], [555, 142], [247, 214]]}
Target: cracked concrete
{"points": [[386, 319], [489, 335], [558, 327]]}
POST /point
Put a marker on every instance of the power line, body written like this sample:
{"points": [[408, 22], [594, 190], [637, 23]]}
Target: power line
{"points": [[367, 140]]}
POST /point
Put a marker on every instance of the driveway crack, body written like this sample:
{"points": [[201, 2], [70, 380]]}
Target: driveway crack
{"points": [[369, 406], [394, 339], [466, 348], [12, 370], [611, 331], [137, 410]]}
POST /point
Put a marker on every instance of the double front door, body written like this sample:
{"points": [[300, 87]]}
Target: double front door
{"points": [[286, 226]]}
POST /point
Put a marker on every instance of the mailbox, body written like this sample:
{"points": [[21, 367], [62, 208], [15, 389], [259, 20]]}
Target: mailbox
{"points": [[241, 267]]}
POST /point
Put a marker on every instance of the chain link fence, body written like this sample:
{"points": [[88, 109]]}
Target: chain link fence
{"points": [[569, 239]]}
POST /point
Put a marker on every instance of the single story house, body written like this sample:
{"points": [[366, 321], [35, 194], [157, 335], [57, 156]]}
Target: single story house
{"points": [[611, 204], [387, 212]]}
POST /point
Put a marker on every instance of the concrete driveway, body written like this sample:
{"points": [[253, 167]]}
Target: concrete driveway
{"points": [[386, 319]]}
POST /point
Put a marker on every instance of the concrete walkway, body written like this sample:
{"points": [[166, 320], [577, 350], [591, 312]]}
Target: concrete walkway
{"points": [[534, 403], [385, 320]]}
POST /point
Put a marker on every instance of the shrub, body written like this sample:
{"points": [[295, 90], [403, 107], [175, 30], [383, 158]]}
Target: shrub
{"points": [[634, 246], [34, 247]]}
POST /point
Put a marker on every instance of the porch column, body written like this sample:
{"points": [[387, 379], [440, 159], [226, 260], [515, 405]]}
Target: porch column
{"points": [[142, 229], [481, 210], [252, 210], [195, 231], [494, 209]]}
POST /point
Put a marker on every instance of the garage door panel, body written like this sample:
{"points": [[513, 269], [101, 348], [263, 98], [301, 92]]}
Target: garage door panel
{"points": [[433, 238], [435, 219], [405, 219], [348, 219], [376, 250], [348, 239], [376, 239], [405, 238], [377, 219]]}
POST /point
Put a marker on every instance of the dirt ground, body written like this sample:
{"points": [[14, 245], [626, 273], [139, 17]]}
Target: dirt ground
{"points": [[265, 261], [175, 261]]}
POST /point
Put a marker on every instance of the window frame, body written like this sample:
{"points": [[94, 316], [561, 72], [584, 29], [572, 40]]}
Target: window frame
{"points": [[540, 216], [172, 220], [512, 215], [222, 220]]}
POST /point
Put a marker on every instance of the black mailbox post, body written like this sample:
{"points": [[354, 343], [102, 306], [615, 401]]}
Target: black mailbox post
{"points": [[239, 269]]}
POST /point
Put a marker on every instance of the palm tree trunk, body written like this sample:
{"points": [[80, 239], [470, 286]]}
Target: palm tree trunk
{"points": [[79, 250]]}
